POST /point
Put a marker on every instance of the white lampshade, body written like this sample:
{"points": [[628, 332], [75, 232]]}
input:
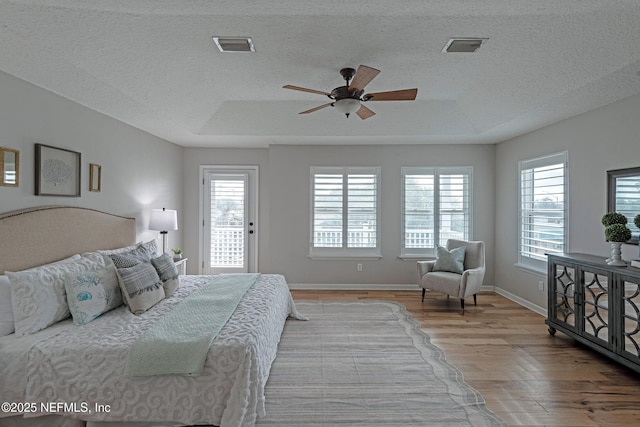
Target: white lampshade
{"points": [[347, 106], [163, 220]]}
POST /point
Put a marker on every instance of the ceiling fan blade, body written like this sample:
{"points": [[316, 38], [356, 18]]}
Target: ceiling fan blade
{"points": [[304, 89], [363, 76], [394, 95], [316, 108], [364, 112]]}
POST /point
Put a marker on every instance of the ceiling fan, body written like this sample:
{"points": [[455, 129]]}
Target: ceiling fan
{"points": [[348, 99]]}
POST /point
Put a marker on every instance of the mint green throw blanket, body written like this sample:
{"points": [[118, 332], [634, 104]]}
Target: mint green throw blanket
{"points": [[178, 343]]}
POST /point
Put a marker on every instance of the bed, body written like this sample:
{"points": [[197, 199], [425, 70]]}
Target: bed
{"points": [[71, 375]]}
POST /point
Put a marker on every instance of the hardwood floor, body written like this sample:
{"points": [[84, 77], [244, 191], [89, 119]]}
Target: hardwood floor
{"points": [[527, 377]]}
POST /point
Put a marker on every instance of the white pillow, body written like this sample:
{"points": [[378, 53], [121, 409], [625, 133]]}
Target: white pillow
{"points": [[151, 246], [38, 295], [118, 250], [92, 293], [6, 310]]}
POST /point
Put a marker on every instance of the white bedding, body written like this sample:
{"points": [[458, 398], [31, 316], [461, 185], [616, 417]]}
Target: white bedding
{"points": [[85, 364]]}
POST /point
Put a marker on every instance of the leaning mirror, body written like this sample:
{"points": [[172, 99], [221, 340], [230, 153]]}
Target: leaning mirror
{"points": [[9, 167], [623, 196]]}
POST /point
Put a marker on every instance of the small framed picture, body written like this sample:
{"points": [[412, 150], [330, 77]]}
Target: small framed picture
{"points": [[9, 167], [57, 171], [95, 177]]}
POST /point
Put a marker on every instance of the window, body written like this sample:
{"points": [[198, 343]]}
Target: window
{"points": [[345, 210], [543, 209], [436, 206]]}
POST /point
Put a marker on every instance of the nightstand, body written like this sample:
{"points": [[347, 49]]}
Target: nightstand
{"points": [[181, 265]]}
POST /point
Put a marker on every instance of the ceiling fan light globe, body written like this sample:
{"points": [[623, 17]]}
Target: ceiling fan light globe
{"points": [[347, 106]]}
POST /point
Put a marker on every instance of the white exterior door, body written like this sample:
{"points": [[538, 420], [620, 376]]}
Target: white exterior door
{"points": [[229, 219]]}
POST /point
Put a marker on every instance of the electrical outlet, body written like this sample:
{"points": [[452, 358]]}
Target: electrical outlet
{"points": [[540, 285], [359, 267]]}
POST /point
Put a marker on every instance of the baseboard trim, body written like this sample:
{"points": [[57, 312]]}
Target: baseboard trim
{"points": [[364, 287], [523, 302], [354, 286]]}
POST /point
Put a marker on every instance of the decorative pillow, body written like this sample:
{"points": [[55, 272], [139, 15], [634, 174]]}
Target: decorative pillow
{"points": [[92, 293], [151, 246], [140, 286], [452, 261], [123, 261], [38, 296], [7, 324], [6, 310], [142, 253], [118, 250], [168, 273]]}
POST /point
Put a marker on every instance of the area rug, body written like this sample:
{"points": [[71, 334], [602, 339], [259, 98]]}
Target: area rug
{"points": [[366, 364]]}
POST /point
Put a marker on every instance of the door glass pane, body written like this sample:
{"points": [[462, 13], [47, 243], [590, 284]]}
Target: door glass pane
{"points": [[565, 290], [596, 305], [227, 223], [631, 326]]}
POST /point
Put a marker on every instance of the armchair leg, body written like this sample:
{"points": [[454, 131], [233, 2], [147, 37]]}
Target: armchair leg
{"points": [[423, 291], [462, 304], [475, 301]]}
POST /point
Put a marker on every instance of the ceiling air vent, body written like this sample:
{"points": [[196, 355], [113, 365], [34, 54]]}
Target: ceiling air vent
{"points": [[234, 44], [467, 45]]}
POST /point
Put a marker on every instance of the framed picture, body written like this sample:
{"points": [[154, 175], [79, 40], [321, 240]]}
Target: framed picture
{"points": [[95, 177], [57, 171]]}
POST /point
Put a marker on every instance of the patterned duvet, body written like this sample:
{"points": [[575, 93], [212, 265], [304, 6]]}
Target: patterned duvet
{"points": [[84, 365]]}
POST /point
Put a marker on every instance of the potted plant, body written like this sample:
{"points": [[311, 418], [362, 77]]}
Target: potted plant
{"points": [[611, 218], [636, 221], [177, 253], [616, 232]]}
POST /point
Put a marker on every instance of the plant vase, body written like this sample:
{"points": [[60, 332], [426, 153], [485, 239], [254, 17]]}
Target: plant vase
{"points": [[616, 258]]}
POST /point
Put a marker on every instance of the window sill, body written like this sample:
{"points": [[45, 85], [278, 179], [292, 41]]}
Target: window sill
{"points": [[417, 257], [344, 258]]}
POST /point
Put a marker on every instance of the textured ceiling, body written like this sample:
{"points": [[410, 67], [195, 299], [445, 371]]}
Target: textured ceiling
{"points": [[153, 65]]}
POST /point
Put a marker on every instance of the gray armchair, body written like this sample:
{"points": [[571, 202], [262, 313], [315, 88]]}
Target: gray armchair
{"points": [[460, 285]]}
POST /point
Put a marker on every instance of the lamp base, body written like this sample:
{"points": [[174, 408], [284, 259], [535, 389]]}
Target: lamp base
{"points": [[165, 249]]}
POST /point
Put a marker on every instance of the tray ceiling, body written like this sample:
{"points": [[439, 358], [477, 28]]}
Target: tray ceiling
{"points": [[153, 65]]}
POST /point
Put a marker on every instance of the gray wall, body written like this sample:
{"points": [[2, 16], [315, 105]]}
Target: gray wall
{"points": [[596, 141], [139, 171], [285, 205]]}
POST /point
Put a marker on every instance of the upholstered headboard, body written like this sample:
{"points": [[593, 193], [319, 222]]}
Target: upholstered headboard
{"points": [[40, 235]]}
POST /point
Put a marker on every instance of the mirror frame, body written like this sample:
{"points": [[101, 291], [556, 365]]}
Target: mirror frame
{"points": [[612, 176], [3, 183], [95, 177]]}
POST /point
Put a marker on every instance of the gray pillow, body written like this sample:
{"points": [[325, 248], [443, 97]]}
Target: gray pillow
{"points": [[168, 273], [452, 261], [141, 287], [123, 261], [142, 253]]}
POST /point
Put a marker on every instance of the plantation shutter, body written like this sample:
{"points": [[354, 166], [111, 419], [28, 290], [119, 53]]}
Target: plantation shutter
{"points": [[628, 199], [453, 206], [542, 208], [327, 210], [362, 210], [436, 206], [419, 204], [345, 209]]}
